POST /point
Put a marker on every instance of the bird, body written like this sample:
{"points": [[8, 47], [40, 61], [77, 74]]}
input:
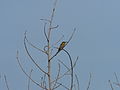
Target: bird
{"points": [[62, 45]]}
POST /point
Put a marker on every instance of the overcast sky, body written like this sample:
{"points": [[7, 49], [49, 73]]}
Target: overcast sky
{"points": [[96, 41]]}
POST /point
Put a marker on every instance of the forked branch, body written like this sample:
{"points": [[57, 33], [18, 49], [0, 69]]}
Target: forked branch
{"points": [[31, 58], [27, 74], [68, 70], [117, 80], [111, 85], [33, 45], [58, 74]]}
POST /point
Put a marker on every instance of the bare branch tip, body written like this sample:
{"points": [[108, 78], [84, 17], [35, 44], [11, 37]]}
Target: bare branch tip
{"points": [[25, 32], [17, 53]]}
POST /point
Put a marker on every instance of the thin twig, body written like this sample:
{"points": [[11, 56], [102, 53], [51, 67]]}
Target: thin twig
{"points": [[64, 74], [75, 61], [33, 45], [41, 83], [6, 82], [71, 86], [56, 87], [45, 20], [27, 74], [116, 77], [29, 79], [44, 81], [71, 35], [78, 85], [117, 81], [58, 74], [64, 64], [68, 70], [110, 84], [89, 82], [63, 85], [45, 32], [54, 55], [58, 41], [53, 12], [31, 58]]}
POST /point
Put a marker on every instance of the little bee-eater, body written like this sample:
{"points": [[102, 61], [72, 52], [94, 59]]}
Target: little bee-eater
{"points": [[62, 45]]}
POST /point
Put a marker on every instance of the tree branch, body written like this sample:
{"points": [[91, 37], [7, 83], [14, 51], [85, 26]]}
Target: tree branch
{"points": [[33, 45], [45, 32], [71, 35], [65, 72], [78, 85], [60, 84], [27, 74], [64, 64], [29, 79], [110, 84], [116, 77], [6, 82], [57, 76], [31, 57], [89, 82], [58, 41], [71, 69]]}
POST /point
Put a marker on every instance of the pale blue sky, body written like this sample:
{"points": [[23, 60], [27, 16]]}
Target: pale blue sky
{"points": [[96, 41]]}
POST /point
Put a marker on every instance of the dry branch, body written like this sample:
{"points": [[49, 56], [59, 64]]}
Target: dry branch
{"points": [[45, 32], [26, 73], [6, 82], [32, 44], [64, 64], [29, 79], [71, 86], [89, 82], [78, 85], [31, 58], [117, 80], [58, 74], [110, 84], [63, 85]]}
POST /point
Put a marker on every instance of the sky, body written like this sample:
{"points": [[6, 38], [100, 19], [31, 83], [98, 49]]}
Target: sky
{"points": [[96, 40]]}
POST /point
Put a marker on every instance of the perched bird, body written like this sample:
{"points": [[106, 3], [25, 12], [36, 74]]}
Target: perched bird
{"points": [[62, 45]]}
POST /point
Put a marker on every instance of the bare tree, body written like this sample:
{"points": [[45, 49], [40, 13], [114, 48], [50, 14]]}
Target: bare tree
{"points": [[48, 82]]}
